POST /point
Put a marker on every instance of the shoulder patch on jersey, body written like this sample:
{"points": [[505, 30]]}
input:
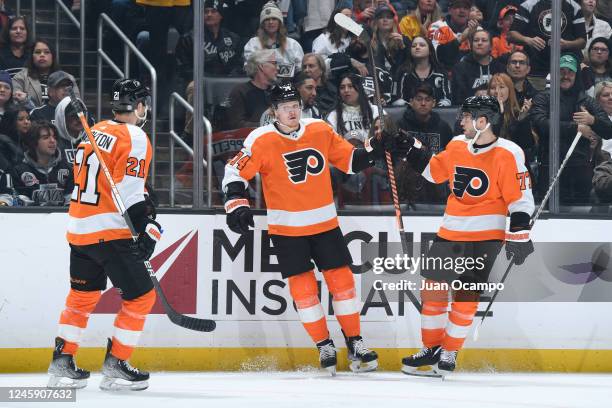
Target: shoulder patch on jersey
{"points": [[301, 162], [29, 179]]}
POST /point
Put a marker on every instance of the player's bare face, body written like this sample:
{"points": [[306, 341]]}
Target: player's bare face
{"points": [[468, 126], [288, 114], [41, 56], [271, 26], [605, 99], [308, 92], [348, 93], [312, 68], [419, 48], [47, 143], [23, 123], [5, 93], [568, 77]]}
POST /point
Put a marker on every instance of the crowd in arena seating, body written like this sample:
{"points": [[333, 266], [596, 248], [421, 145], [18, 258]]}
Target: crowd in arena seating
{"points": [[428, 57]]}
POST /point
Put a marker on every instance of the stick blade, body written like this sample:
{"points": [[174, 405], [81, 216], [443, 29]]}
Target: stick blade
{"points": [[348, 24]]}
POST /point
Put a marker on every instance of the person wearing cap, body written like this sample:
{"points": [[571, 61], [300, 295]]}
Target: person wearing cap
{"points": [[272, 35], [222, 48], [6, 92], [389, 46], [447, 35], [419, 21], [595, 27], [531, 27], [578, 113], [500, 42], [58, 83]]}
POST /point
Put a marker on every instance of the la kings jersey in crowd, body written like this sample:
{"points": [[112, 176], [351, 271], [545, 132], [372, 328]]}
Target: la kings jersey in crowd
{"points": [[534, 19], [353, 122], [93, 216], [485, 186], [295, 175]]}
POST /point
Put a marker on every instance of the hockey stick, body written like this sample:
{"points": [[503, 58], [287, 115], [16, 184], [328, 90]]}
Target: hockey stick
{"points": [[348, 24], [531, 223], [192, 323]]}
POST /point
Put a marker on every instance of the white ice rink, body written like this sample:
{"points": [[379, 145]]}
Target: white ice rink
{"points": [[316, 389]]}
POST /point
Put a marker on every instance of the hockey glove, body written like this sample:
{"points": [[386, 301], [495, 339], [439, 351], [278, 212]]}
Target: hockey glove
{"points": [[145, 244], [377, 147], [239, 215], [518, 245]]}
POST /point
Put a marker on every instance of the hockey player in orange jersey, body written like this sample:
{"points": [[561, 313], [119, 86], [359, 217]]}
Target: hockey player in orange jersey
{"points": [[293, 156], [488, 180], [101, 244]]}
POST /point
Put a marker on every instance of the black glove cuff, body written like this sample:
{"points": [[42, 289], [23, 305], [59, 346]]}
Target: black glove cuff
{"points": [[361, 160], [235, 190], [519, 221], [138, 215]]}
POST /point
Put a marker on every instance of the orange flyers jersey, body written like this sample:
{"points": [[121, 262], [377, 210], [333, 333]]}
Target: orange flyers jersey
{"points": [[295, 174], [93, 215], [485, 185]]}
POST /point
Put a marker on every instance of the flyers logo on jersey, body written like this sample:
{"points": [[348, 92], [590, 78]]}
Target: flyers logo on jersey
{"points": [[302, 162], [473, 181]]}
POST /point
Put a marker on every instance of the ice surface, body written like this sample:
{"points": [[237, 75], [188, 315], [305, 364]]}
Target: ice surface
{"points": [[347, 390]]}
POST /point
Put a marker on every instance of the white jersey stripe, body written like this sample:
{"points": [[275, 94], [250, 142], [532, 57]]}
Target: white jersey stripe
{"points": [[474, 223], [302, 218], [96, 223]]}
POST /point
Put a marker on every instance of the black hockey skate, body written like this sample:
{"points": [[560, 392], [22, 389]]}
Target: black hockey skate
{"points": [[361, 359], [447, 363], [327, 355], [119, 375], [63, 371], [421, 363]]}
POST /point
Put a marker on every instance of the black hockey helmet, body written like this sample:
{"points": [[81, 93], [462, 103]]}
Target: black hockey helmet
{"points": [[486, 106], [127, 93], [284, 93]]}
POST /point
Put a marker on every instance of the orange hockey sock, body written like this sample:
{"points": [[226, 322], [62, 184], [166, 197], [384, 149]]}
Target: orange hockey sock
{"points": [[129, 324], [305, 294], [458, 326], [341, 285], [73, 320]]}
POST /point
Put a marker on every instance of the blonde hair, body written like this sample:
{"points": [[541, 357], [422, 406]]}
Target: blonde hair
{"points": [[281, 36], [426, 20]]}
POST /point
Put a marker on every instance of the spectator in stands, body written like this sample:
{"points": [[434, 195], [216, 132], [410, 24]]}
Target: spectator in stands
{"points": [[579, 113], [314, 66], [475, 69], [16, 123], [222, 48], [604, 10], [515, 124], [364, 10], [160, 16], [599, 66], [531, 29], [354, 114], [602, 182], [69, 129], [425, 125], [421, 68], [603, 95], [389, 46], [248, 101], [317, 16], [307, 87], [418, 22], [518, 68], [334, 38], [6, 93], [449, 34], [58, 85], [10, 155], [595, 27], [43, 175], [30, 84], [501, 47], [272, 35], [14, 45], [5, 14]]}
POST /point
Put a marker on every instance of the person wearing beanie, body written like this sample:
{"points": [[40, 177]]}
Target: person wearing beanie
{"points": [[272, 34], [6, 92]]}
